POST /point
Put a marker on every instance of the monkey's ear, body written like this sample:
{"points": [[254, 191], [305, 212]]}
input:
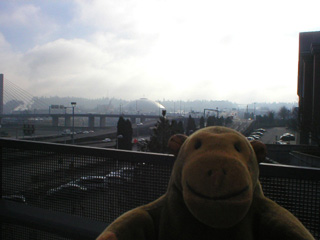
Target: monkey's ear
{"points": [[175, 142], [260, 149]]}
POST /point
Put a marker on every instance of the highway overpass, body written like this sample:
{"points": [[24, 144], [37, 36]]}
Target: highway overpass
{"points": [[67, 117]]}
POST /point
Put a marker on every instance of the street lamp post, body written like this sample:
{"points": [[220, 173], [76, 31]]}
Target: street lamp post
{"points": [[138, 130], [73, 104], [65, 124]]}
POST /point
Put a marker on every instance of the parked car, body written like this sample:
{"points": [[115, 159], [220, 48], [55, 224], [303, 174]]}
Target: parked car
{"points": [[92, 182], [257, 133], [250, 138], [287, 137], [15, 198], [66, 191], [256, 137], [122, 175], [260, 130], [281, 142], [106, 140], [66, 132], [132, 174], [115, 180]]}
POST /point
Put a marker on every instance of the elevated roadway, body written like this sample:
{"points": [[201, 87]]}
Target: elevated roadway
{"points": [[94, 138], [67, 117]]}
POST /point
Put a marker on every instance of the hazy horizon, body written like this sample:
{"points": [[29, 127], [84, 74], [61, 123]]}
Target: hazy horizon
{"points": [[115, 103], [238, 51]]}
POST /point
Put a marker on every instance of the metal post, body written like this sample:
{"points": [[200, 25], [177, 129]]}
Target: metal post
{"points": [[72, 124], [137, 130], [65, 117], [73, 106]]}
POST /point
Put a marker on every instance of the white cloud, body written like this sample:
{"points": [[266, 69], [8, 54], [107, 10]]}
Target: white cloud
{"points": [[111, 15], [73, 68], [4, 45], [21, 15], [243, 51], [25, 25]]}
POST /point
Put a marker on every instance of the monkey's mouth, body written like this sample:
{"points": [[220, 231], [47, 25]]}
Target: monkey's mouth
{"points": [[223, 197]]}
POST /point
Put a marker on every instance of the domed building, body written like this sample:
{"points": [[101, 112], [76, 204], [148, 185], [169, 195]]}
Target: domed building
{"points": [[144, 106]]}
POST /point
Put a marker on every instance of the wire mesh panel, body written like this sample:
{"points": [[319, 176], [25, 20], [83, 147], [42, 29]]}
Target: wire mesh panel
{"points": [[298, 192], [12, 232], [94, 183]]}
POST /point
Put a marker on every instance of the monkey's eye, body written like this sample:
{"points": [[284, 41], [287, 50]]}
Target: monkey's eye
{"points": [[237, 147], [198, 144]]}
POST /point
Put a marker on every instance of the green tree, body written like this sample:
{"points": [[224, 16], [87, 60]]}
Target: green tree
{"points": [[160, 136], [220, 121], [284, 113], [211, 121], [293, 122], [229, 120], [180, 127], [271, 117], [176, 127], [128, 136], [121, 128], [202, 122], [124, 134], [191, 125]]}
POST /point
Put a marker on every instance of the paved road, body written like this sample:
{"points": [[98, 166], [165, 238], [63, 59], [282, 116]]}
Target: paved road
{"points": [[240, 125], [93, 138]]}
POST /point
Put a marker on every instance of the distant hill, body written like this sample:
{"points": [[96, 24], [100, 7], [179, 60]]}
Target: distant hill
{"points": [[113, 105], [196, 105]]}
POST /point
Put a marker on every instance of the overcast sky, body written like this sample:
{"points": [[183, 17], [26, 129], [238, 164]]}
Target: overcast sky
{"points": [[242, 51]]}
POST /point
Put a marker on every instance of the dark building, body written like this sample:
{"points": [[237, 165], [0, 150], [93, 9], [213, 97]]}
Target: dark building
{"points": [[1, 94], [309, 87]]}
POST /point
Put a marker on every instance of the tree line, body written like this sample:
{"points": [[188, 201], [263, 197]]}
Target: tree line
{"points": [[163, 130]]}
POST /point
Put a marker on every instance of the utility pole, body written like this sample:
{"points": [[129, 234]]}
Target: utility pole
{"points": [[73, 104]]}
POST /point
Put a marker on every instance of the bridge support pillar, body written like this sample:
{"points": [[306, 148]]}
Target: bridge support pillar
{"points": [[55, 121], [102, 121], [142, 119], [91, 122], [67, 121]]}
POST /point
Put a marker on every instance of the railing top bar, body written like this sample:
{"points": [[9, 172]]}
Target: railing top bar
{"points": [[62, 224], [84, 150], [288, 171], [273, 170]]}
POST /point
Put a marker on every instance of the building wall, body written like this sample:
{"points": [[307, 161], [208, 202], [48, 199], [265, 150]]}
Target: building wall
{"points": [[283, 153], [1, 93], [309, 86]]}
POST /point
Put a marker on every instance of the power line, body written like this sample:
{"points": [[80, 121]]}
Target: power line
{"points": [[14, 92]]}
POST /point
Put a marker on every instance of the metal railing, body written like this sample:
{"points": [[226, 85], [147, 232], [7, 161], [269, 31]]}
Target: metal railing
{"points": [[28, 222], [83, 189]]}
